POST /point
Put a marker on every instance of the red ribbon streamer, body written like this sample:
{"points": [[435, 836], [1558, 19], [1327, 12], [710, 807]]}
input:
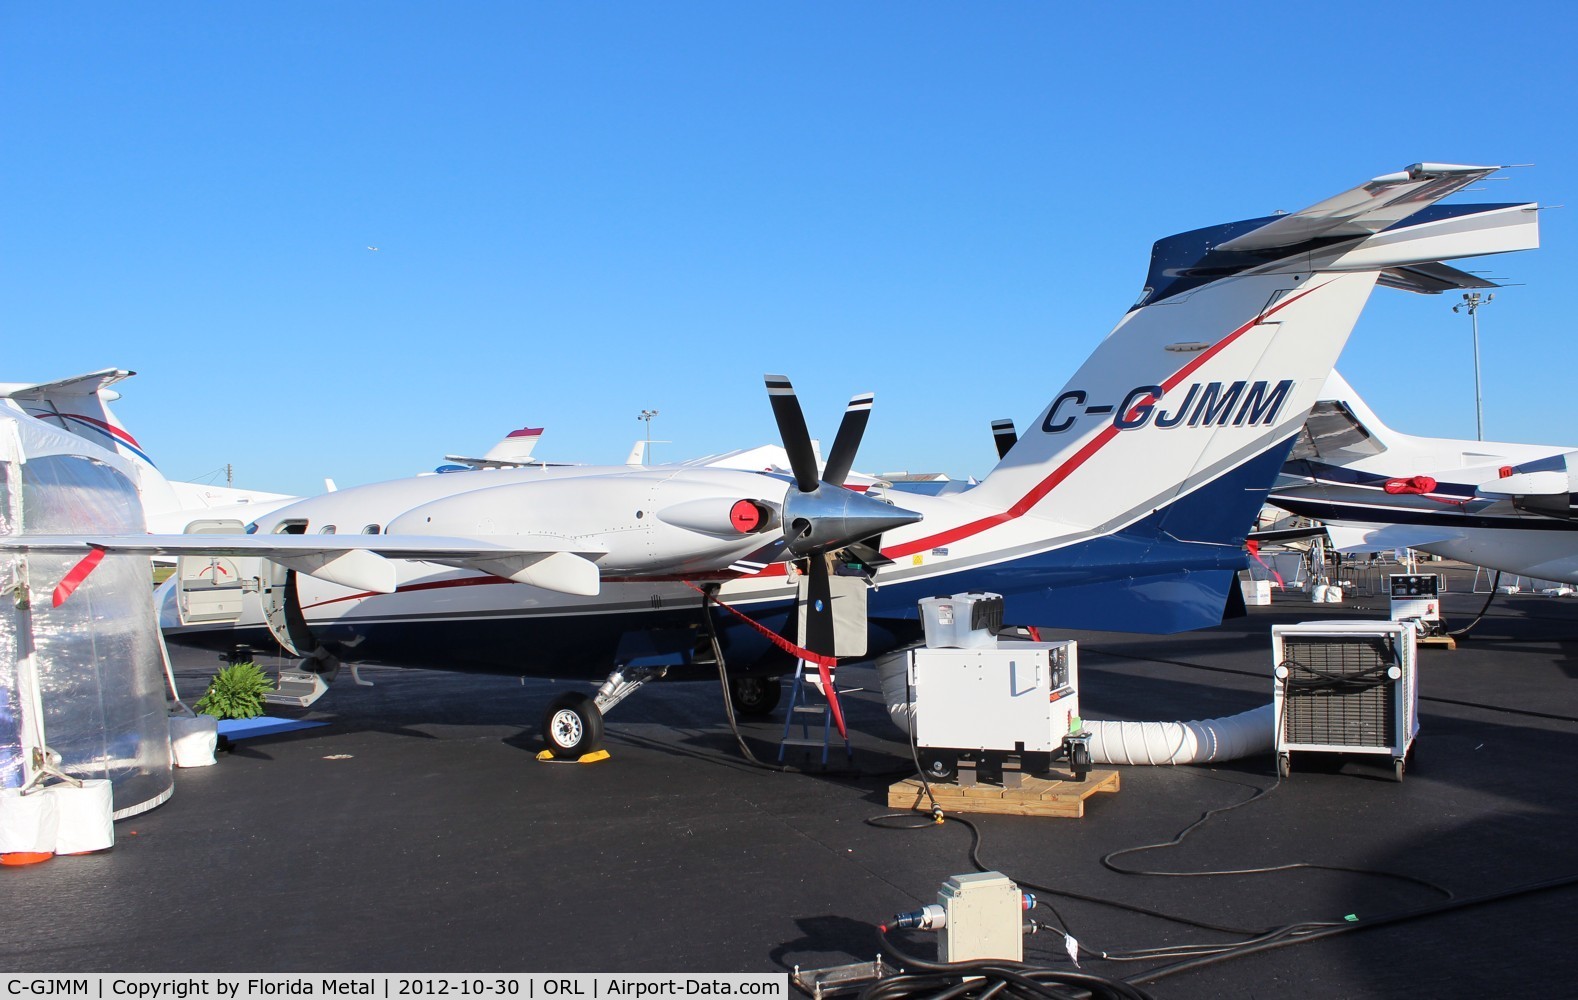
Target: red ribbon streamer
{"points": [[824, 664], [1413, 484], [1253, 545], [78, 573], [1421, 485], [776, 639]]}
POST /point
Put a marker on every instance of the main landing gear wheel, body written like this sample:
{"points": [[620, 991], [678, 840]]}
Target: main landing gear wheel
{"points": [[573, 726], [755, 696]]}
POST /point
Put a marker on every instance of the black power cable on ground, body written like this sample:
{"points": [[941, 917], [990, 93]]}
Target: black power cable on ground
{"points": [[983, 979], [1251, 939], [1348, 927], [709, 593]]}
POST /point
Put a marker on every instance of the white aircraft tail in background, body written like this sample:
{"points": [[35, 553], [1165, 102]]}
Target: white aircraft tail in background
{"points": [[1495, 504], [512, 452], [80, 405]]}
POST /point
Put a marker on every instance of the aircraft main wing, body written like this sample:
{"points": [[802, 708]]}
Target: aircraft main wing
{"points": [[1380, 537], [357, 561], [1365, 210]]}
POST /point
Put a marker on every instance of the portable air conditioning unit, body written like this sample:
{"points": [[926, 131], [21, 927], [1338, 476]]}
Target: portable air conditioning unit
{"points": [[1345, 687], [982, 708]]}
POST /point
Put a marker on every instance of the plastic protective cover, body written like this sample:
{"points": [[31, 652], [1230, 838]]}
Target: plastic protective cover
{"points": [[98, 667], [12, 624]]}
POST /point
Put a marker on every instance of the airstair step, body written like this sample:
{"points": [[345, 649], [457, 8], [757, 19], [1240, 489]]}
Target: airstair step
{"points": [[298, 688]]}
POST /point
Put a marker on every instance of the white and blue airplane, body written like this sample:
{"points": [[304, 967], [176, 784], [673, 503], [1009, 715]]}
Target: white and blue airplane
{"points": [[1124, 506], [1501, 505]]}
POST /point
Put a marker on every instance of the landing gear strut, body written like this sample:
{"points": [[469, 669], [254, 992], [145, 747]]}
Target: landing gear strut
{"points": [[573, 726]]}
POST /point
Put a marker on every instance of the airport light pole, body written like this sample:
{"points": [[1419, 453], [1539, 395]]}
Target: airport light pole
{"points": [[1472, 302], [647, 415]]}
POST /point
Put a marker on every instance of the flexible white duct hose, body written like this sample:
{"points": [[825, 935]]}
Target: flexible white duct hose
{"points": [[894, 672], [1200, 742]]}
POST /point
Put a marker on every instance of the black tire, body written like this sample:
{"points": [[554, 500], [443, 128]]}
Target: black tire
{"points": [[755, 697], [939, 766], [572, 726], [1079, 762]]}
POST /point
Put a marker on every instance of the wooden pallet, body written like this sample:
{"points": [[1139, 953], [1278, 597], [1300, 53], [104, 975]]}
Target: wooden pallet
{"points": [[1035, 797], [1444, 641]]}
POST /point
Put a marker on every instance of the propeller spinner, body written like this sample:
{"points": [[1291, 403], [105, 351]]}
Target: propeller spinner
{"points": [[821, 516]]}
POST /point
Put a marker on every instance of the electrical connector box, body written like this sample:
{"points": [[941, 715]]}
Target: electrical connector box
{"points": [[985, 918], [1345, 686]]}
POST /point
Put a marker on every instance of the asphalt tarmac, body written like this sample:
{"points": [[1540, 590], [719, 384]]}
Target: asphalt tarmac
{"points": [[416, 832]]}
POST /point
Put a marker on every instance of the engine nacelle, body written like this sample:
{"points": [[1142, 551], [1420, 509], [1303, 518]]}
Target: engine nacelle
{"points": [[724, 517], [642, 522], [1544, 486]]}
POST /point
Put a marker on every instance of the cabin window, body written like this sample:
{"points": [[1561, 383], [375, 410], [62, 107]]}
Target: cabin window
{"points": [[327, 529], [372, 529]]}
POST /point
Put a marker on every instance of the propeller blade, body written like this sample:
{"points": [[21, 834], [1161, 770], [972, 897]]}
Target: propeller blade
{"points": [[793, 432], [869, 554], [850, 431], [819, 609], [819, 633], [1005, 436]]}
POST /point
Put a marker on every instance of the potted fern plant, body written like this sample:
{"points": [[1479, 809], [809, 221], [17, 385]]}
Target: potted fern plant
{"points": [[236, 692]]}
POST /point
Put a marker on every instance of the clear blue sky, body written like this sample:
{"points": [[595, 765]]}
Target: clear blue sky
{"points": [[587, 209]]}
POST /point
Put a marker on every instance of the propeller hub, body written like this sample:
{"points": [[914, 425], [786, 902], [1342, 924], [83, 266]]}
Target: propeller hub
{"points": [[832, 517]]}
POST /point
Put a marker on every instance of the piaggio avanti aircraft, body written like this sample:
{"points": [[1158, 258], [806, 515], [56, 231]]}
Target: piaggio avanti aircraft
{"points": [[1490, 503], [1123, 507]]}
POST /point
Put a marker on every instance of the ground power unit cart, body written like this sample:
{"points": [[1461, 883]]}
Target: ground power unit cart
{"points": [[998, 712]]}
